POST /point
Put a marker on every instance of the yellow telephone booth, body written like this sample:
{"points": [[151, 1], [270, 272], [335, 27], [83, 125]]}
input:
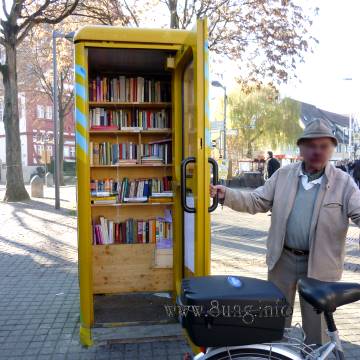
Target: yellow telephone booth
{"points": [[143, 167]]}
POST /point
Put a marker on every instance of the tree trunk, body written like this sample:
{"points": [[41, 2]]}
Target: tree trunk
{"points": [[174, 20], [15, 189], [249, 152], [61, 143]]}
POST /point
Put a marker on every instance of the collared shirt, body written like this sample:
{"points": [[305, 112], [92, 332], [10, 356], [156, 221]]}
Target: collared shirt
{"points": [[299, 222], [309, 184]]}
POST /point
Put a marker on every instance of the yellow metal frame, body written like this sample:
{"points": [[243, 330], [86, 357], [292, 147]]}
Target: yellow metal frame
{"points": [[187, 44]]}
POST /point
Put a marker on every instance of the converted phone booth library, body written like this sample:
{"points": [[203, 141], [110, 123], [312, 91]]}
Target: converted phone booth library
{"points": [[143, 168]]}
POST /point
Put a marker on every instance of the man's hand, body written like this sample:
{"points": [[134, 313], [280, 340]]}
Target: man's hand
{"points": [[217, 189]]}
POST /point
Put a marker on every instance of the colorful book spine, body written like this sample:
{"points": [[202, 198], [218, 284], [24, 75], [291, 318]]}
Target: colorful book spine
{"points": [[123, 119], [132, 231], [161, 150], [127, 190], [129, 89], [111, 154]]}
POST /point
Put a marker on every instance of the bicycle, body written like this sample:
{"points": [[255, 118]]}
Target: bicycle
{"points": [[325, 297]]}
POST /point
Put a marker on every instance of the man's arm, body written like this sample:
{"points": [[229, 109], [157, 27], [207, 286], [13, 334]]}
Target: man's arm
{"points": [[354, 207], [259, 200]]}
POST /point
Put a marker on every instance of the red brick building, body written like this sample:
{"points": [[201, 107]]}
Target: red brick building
{"points": [[37, 132]]}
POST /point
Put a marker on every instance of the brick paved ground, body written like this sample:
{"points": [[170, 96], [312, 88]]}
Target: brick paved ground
{"points": [[39, 315], [39, 307]]}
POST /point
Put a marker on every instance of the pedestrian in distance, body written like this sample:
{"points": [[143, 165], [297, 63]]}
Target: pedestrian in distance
{"points": [[340, 165], [312, 202], [356, 172], [272, 164]]}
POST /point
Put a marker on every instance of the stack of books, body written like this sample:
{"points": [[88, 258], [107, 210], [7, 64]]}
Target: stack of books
{"points": [[129, 89], [112, 199], [157, 152], [163, 197], [103, 191], [131, 190], [112, 154], [125, 119], [108, 118], [160, 185], [132, 231]]}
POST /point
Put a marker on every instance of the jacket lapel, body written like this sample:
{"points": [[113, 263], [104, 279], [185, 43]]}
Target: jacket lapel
{"points": [[292, 187], [325, 185]]}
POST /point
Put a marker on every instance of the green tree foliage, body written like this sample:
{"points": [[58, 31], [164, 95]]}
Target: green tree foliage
{"points": [[263, 120]]}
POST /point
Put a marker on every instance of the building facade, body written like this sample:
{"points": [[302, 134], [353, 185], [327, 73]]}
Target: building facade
{"points": [[36, 133]]}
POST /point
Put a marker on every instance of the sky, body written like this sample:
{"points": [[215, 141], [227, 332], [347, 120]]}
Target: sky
{"points": [[336, 57]]}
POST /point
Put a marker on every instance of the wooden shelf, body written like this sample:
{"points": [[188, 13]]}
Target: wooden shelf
{"points": [[117, 132], [144, 105], [133, 204], [130, 165]]}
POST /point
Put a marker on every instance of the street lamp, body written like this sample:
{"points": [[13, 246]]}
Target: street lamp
{"points": [[218, 84], [350, 124], [69, 36]]}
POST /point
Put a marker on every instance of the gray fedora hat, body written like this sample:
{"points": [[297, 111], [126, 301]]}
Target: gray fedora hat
{"points": [[317, 128]]}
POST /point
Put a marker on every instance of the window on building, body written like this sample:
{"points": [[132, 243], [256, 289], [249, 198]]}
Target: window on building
{"points": [[48, 112], [72, 152], [66, 151], [40, 111]]}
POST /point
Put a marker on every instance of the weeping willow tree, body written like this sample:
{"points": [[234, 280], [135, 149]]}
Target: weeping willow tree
{"points": [[262, 120]]}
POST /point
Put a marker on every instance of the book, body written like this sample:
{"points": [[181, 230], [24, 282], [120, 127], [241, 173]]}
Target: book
{"points": [[160, 200], [135, 199], [162, 194], [103, 202], [103, 197]]}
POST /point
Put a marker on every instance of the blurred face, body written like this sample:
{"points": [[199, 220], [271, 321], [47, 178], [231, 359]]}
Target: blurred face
{"points": [[316, 152]]}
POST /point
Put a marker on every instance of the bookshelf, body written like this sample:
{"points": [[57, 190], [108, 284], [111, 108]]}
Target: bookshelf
{"points": [[131, 146]]}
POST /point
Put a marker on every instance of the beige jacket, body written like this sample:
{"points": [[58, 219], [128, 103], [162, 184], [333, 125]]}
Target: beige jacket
{"points": [[338, 200]]}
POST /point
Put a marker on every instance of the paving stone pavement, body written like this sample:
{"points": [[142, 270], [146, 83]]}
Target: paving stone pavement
{"points": [[39, 306], [39, 309]]}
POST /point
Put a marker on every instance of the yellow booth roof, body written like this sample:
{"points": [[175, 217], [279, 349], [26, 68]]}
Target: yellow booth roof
{"points": [[131, 35]]}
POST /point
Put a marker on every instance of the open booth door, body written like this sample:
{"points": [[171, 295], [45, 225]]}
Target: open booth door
{"points": [[191, 90]]}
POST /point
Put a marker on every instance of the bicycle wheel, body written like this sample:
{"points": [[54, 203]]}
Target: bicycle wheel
{"points": [[247, 354]]}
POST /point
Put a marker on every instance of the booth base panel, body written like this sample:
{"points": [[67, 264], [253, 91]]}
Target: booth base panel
{"points": [[138, 333], [133, 308]]}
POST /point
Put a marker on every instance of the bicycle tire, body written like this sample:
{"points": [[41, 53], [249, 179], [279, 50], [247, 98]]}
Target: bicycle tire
{"points": [[248, 354]]}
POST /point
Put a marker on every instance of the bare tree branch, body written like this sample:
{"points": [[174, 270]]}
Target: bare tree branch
{"points": [[31, 18], [131, 13]]}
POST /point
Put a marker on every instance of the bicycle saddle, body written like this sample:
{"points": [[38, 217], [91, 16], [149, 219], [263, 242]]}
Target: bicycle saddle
{"points": [[327, 296]]}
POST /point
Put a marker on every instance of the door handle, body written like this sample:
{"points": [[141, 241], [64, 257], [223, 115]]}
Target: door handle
{"points": [[215, 182], [184, 163]]}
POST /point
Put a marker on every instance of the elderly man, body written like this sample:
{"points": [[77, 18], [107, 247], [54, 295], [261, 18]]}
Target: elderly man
{"points": [[311, 203]]}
